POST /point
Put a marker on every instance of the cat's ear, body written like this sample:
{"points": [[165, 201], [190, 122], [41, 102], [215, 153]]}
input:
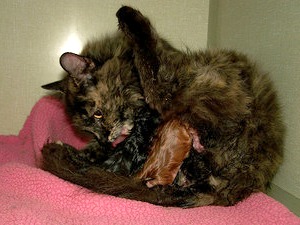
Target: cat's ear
{"points": [[76, 65], [56, 86]]}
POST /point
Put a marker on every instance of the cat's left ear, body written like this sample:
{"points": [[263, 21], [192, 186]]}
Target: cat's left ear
{"points": [[76, 65]]}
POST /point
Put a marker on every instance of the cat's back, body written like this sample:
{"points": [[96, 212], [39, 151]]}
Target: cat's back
{"points": [[235, 70], [226, 84], [227, 63], [255, 92], [106, 47]]}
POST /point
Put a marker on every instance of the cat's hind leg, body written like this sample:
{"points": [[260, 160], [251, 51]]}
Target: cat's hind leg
{"points": [[143, 37]]}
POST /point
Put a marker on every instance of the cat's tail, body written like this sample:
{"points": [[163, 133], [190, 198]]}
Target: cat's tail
{"points": [[104, 182]]}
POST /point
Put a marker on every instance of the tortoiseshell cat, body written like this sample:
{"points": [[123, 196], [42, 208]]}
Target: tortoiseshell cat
{"points": [[103, 96], [221, 95]]}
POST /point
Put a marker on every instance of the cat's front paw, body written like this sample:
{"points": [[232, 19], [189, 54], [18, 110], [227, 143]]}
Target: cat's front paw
{"points": [[57, 155], [53, 150], [57, 150]]}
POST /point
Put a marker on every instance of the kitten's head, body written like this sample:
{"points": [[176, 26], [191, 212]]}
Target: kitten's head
{"points": [[101, 98]]}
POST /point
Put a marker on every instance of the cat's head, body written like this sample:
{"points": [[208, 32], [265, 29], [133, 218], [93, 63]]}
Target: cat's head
{"points": [[100, 98]]}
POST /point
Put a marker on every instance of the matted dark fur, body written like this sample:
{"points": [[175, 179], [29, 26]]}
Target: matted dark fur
{"points": [[226, 103], [171, 145]]}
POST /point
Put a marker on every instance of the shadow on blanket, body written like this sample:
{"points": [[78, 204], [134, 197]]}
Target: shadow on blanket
{"points": [[29, 195]]}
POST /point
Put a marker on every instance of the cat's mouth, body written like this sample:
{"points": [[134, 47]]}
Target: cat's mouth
{"points": [[119, 134], [118, 140]]}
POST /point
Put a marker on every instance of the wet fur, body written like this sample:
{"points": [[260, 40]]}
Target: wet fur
{"points": [[171, 145]]}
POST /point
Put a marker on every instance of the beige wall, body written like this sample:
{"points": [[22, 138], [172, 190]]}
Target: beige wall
{"points": [[34, 33], [269, 31]]}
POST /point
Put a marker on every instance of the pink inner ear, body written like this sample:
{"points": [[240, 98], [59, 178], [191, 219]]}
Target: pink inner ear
{"points": [[72, 63]]}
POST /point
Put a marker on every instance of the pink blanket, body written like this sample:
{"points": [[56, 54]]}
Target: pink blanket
{"points": [[29, 195]]}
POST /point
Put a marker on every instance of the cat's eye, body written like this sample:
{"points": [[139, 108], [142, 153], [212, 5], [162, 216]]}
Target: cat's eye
{"points": [[98, 115]]}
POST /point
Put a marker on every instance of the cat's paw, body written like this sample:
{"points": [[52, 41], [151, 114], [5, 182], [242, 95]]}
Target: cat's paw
{"points": [[54, 151], [58, 159], [134, 24], [57, 153]]}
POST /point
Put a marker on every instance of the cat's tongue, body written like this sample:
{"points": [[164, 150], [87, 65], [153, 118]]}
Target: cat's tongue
{"points": [[119, 139]]}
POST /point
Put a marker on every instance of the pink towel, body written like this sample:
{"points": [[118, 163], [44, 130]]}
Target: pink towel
{"points": [[29, 195]]}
